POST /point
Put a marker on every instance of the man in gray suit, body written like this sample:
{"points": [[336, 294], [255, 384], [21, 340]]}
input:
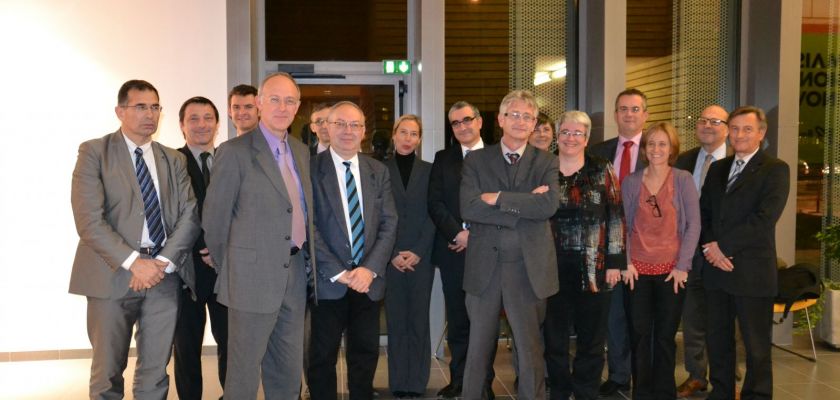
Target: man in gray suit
{"points": [[257, 219], [508, 192], [356, 223], [136, 218]]}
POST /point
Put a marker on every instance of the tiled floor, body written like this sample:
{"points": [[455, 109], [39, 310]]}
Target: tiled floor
{"points": [[794, 377]]}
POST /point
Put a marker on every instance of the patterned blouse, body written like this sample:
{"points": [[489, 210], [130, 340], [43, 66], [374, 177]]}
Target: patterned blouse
{"points": [[590, 221]]}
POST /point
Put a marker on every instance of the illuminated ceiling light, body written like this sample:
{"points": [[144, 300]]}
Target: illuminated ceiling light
{"points": [[541, 77], [558, 74]]}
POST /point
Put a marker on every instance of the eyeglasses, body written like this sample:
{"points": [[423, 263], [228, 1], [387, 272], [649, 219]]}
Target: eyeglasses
{"points": [[651, 201], [625, 109], [466, 122], [319, 121], [353, 126], [142, 107], [527, 118], [288, 101], [713, 121], [574, 134]]}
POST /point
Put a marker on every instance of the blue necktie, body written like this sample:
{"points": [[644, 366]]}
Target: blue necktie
{"points": [[735, 174], [150, 200], [357, 239]]}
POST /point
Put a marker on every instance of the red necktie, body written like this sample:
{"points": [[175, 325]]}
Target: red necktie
{"points": [[624, 170]]}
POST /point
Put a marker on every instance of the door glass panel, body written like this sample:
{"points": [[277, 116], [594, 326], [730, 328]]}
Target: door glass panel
{"points": [[377, 102]]}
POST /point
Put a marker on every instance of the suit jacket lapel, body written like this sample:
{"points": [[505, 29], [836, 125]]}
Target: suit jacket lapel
{"points": [[367, 177], [413, 180], [329, 182], [748, 171], [523, 165], [394, 171], [126, 163], [267, 162], [166, 185], [496, 160]]}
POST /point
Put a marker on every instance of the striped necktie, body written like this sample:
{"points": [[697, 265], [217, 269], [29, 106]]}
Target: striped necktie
{"points": [[354, 209], [735, 173], [151, 207]]}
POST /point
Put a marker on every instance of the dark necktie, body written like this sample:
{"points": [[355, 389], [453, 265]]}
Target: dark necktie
{"points": [[151, 206], [205, 169], [705, 170], [624, 169], [298, 222], [735, 173], [354, 210], [513, 157]]}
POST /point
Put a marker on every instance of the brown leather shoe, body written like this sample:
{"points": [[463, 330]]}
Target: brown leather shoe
{"points": [[690, 386]]}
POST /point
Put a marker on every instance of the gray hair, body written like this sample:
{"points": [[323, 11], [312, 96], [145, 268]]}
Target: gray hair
{"points": [[578, 117], [521, 95], [463, 104]]}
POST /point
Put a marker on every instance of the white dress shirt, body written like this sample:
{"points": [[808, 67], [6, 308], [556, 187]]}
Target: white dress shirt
{"points": [[340, 172], [718, 154], [145, 241]]}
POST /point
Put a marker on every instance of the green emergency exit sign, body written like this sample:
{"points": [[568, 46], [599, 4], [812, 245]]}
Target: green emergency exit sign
{"points": [[396, 67]]}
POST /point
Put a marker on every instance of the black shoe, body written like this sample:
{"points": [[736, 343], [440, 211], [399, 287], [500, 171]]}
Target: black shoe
{"points": [[451, 390], [609, 388], [487, 394]]}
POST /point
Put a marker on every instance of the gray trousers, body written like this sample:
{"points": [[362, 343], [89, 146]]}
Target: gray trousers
{"points": [[269, 345], [110, 323], [510, 289]]}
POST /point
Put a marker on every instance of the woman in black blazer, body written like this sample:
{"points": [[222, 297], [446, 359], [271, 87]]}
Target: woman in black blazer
{"points": [[410, 274]]}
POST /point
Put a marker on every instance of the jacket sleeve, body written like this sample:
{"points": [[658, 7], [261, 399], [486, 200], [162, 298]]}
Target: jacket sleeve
{"points": [[219, 203], [690, 204], [473, 209], [442, 218], [180, 241]]}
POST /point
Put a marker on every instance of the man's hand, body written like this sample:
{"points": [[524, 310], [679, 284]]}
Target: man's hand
{"points": [[490, 198], [410, 258], [613, 276], [146, 272], [716, 257], [460, 240], [360, 279], [205, 256], [398, 262], [540, 189]]}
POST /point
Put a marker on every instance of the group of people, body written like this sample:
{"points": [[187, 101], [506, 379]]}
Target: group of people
{"points": [[292, 246]]}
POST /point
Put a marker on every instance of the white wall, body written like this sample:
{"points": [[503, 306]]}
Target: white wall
{"points": [[62, 64]]}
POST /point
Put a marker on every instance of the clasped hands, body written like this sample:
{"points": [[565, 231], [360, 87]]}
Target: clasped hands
{"points": [[405, 261], [146, 273], [358, 279], [716, 257], [678, 277]]}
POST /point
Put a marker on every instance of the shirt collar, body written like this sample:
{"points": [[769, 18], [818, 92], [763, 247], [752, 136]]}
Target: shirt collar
{"points": [[718, 153], [131, 146], [477, 146], [196, 152], [748, 157], [520, 150], [338, 161], [635, 139], [273, 142]]}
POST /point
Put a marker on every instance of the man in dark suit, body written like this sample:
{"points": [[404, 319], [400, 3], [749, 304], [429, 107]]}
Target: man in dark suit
{"points": [[257, 221], [452, 238], [136, 218], [318, 128], [508, 193], [742, 199], [242, 108], [356, 223], [630, 115], [711, 131], [199, 123]]}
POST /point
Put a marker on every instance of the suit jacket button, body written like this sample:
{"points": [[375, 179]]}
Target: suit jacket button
{"points": [[289, 210], [288, 237], [495, 249], [286, 265], [498, 227]]}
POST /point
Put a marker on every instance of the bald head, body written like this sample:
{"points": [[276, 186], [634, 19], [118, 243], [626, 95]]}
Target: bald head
{"points": [[711, 128]]}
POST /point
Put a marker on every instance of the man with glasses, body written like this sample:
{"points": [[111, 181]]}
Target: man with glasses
{"points": [[356, 224], [508, 192], [711, 132], [452, 238], [318, 126], [258, 227], [242, 108], [136, 218], [630, 116], [742, 199]]}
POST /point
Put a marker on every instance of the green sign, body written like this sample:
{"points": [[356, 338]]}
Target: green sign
{"points": [[396, 67]]}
